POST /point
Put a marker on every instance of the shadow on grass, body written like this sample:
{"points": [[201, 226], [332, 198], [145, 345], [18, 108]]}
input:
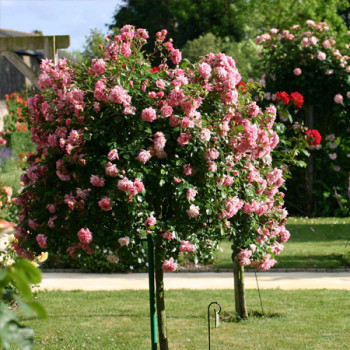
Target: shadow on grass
{"points": [[234, 318]]}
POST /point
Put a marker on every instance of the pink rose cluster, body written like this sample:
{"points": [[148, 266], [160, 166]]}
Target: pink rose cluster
{"points": [[152, 124], [130, 187]]}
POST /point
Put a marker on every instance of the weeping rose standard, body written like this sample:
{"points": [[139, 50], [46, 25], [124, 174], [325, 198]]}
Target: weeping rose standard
{"points": [[126, 150]]}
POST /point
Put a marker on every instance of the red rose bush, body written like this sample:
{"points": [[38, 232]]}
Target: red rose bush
{"points": [[127, 149]]}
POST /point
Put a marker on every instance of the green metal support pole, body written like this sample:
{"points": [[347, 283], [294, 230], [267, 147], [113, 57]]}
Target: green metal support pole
{"points": [[152, 302]]}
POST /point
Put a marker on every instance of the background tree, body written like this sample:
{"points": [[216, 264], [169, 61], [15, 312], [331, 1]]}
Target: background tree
{"points": [[184, 19], [309, 58]]}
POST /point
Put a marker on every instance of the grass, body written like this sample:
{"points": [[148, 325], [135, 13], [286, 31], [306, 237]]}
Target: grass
{"points": [[10, 175], [314, 243], [312, 319]]}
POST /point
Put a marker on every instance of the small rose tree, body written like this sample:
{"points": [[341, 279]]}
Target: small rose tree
{"points": [[307, 58], [126, 150]]}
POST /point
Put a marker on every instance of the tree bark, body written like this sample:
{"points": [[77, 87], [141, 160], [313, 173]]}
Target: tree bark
{"points": [[161, 317], [240, 300]]}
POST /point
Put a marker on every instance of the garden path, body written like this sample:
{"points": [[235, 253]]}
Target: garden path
{"points": [[195, 280]]}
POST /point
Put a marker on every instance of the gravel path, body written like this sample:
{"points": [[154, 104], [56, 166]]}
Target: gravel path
{"points": [[195, 280]]}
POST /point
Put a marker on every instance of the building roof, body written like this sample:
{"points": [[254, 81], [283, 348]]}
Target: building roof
{"points": [[39, 53], [6, 33]]}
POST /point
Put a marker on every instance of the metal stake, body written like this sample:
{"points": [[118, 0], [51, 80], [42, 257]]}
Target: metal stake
{"points": [[216, 318], [152, 300]]}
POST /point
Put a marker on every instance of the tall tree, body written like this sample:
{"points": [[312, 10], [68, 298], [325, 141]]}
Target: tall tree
{"points": [[184, 19]]}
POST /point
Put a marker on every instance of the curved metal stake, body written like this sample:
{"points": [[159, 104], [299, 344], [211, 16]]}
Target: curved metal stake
{"points": [[216, 318]]}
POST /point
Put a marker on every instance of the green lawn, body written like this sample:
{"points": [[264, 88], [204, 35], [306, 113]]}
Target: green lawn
{"points": [[304, 319], [314, 243]]}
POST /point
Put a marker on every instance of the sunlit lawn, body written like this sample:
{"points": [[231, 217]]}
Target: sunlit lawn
{"points": [[314, 243], [303, 319]]}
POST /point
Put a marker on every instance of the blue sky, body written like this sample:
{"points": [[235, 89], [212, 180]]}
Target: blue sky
{"points": [[58, 17]]}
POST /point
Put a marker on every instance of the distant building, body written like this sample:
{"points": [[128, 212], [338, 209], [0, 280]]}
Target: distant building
{"points": [[11, 79]]}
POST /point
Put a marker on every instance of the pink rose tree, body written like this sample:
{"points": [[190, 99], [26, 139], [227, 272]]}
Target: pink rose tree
{"points": [[311, 59], [176, 152]]}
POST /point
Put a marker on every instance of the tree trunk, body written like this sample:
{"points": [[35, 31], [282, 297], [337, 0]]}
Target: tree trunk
{"points": [[240, 303], [161, 317]]}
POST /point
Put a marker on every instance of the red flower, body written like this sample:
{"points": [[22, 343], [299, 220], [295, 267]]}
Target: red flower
{"points": [[297, 99], [154, 69], [283, 97], [242, 86], [314, 137]]}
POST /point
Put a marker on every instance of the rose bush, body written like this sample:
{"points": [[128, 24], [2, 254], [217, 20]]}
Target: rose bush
{"points": [[126, 150], [307, 58]]}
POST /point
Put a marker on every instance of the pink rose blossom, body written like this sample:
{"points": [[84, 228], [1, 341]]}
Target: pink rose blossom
{"points": [[151, 221], [124, 241], [113, 154], [168, 235], [321, 56], [338, 98], [51, 208], [176, 56], [126, 51], [96, 181], [119, 95], [267, 263], [105, 204], [138, 185], [283, 235], [212, 166], [144, 156], [125, 184], [184, 139], [111, 170], [204, 70], [191, 193], [205, 134], [85, 236], [166, 111], [297, 71], [160, 83], [245, 262], [51, 222], [169, 265], [212, 154], [187, 169], [82, 193], [159, 141], [42, 241], [313, 40], [232, 205], [98, 66], [149, 114], [186, 247], [327, 44], [193, 211]]}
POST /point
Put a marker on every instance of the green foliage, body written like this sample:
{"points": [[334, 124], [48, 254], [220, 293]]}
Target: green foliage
{"points": [[260, 16], [184, 19], [92, 45], [22, 274], [95, 262]]}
